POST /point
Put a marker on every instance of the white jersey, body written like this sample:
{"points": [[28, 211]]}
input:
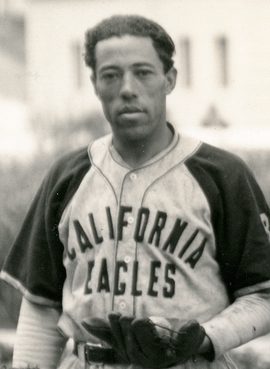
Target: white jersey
{"points": [[169, 239], [140, 241]]}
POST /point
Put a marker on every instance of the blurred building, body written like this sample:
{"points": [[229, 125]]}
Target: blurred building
{"points": [[12, 54], [223, 58]]}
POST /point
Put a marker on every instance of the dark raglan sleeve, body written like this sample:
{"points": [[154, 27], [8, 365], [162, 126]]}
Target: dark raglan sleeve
{"points": [[34, 263], [240, 216]]}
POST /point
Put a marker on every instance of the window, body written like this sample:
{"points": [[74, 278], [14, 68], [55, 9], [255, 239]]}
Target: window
{"points": [[221, 46], [185, 62]]}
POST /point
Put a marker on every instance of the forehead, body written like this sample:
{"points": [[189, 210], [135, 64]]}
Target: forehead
{"points": [[126, 50]]}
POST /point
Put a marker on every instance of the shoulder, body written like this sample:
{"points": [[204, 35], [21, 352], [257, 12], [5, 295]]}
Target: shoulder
{"points": [[211, 156], [222, 174], [219, 164], [70, 162], [69, 167], [64, 178]]}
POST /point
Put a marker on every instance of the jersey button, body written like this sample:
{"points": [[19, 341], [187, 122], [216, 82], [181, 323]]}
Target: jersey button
{"points": [[130, 220], [122, 305], [133, 176], [127, 259]]}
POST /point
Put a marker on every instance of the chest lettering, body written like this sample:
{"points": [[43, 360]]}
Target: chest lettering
{"points": [[155, 230]]}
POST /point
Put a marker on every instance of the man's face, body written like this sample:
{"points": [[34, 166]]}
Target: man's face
{"points": [[132, 86]]}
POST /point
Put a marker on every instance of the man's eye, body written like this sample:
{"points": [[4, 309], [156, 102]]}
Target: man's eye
{"points": [[110, 76], [143, 72]]}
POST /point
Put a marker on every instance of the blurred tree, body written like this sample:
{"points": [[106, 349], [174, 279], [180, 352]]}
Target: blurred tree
{"points": [[19, 183]]}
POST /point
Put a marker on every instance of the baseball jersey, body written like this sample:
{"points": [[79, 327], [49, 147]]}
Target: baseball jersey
{"points": [[180, 237]]}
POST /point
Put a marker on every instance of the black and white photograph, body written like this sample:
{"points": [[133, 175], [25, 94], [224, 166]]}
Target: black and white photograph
{"points": [[135, 184]]}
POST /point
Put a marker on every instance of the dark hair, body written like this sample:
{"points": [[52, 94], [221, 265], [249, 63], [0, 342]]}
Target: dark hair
{"points": [[134, 25]]}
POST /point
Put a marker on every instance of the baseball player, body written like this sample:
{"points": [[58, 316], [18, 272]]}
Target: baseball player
{"points": [[149, 248]]}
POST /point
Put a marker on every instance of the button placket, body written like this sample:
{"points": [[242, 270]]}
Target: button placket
{"points": [[122, 305], [127, 259], [130, 220], [126, 246], [133, 176]]}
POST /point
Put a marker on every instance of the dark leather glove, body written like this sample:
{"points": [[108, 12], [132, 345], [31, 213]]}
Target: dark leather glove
{"points": [[145, 343]]}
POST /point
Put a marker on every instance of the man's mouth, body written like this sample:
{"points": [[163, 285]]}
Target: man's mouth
{"points": [[129, 110]]}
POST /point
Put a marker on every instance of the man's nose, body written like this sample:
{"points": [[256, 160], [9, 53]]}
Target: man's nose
{"points": [[128, 86]]}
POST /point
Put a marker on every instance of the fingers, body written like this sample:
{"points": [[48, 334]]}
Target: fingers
{"points": [[125, 340], [99, 328], [118, 334], [191, 328], [133, 346], [145, 343], [189, 338], [153, 343]]}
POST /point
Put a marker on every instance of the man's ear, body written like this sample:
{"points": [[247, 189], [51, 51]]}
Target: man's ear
{"points": [[94, 83], [171, 77]]}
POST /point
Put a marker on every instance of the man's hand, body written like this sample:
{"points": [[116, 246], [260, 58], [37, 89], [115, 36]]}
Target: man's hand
{"points": [[148, 343]]}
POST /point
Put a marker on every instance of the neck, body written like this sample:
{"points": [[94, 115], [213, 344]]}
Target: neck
{"points": [[137, 152]]}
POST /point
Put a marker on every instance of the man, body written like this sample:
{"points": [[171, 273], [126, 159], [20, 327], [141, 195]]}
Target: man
{"points": [[150, 248]]}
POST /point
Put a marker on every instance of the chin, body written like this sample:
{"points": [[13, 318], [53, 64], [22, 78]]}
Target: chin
{"points": [[131, 129]]}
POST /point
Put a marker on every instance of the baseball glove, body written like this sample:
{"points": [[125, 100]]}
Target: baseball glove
{"points": [[146, 343]]}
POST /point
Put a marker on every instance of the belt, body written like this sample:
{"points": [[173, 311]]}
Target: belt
{"points": [[94, 353]]}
